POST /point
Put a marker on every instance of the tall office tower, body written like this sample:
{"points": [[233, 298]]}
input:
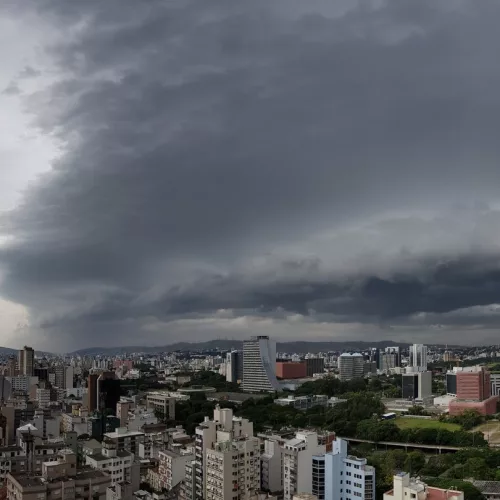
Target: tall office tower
{"points": [[417, 385], [451, 383], [108, 392], [92, 391], [26, 361], [297, 463], [347, 477], [234, 366], [396, 351], [226, 457], [418, 358], [259, 365], [351, 366]]}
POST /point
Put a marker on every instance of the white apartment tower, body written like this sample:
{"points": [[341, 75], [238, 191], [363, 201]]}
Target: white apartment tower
{"points": [[217, 443], [418, 358], [297, 463], [347, 477], [259, 365], [351, 366]]}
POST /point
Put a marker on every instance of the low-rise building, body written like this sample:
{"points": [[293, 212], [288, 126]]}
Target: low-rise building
{"points": [[126, 440], [407, 488], [59, 476]]}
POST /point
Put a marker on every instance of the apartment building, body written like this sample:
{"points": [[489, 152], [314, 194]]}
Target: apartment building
{"points": [[297, 463], [172, 466], [271, 466], [233, 469], [223, 428], [346, 476], [126, 440], [57, 477], [119, 464], [188, 484]]}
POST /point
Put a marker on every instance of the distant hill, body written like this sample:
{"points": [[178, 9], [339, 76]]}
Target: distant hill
{"points": [[7, 351], [224, 344]]}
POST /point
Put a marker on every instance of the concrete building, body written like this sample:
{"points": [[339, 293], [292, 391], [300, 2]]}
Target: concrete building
{"points": [[291, 369], [224, 427], [418, 358], [43, 398], [233, 469], [259, 365], [451, 383], [234, 366], [417, 385], [314, 365], [126, 440], [172, 466], [122, 409], [59, 476], [318, 476], [297, 463], [350, 366], [347, 477], [271, 467], [406, 488], [119, 464], [303, 402], [162, 402], [188, 484], [495, 383]]}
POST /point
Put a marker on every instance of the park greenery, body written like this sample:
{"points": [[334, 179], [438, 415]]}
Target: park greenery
{"points": [[448, 471]]}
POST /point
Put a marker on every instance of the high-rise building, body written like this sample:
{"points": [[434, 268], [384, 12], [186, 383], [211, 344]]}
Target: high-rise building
{"points": [[259, 365], [92, 391], [418, 358], [108, 391], [234, 366], [26, 361], [347, 477], [351, 366], [417, 385], [60, 379], [451, 383], [225, 448], [297, 463]]}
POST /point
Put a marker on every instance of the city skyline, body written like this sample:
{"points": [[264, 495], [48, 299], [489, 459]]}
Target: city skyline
{"points": [[303, 170]]}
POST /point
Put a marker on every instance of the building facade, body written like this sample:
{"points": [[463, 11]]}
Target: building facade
{"points": [[350, 366], [347, 477], [259, 365], [297, 463]]}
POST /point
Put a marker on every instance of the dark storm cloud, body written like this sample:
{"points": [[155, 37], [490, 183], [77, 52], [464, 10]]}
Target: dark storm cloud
{"points": [[199, 135]]}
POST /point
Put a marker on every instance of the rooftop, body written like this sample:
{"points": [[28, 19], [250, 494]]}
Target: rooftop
{"points": [[487, 487], [28, 481]]}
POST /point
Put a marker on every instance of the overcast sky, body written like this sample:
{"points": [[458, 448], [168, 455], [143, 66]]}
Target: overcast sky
{"points": [[188, 170]]}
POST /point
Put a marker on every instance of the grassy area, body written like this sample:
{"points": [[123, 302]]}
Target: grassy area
{"points": [[491, 431], [422, 423]]}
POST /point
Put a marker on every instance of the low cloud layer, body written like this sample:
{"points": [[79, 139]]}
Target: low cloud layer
{"points": [[303, 169]]}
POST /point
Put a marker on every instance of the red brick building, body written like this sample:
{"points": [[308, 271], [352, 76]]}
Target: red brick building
{"points": [[474, 392], [291, 369]]}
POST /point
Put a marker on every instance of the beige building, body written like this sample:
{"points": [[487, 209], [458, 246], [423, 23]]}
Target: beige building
{"points": [[162, 402], [60, 480], [172, 466], [297, 463], [233, 469], [232, 433]]}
